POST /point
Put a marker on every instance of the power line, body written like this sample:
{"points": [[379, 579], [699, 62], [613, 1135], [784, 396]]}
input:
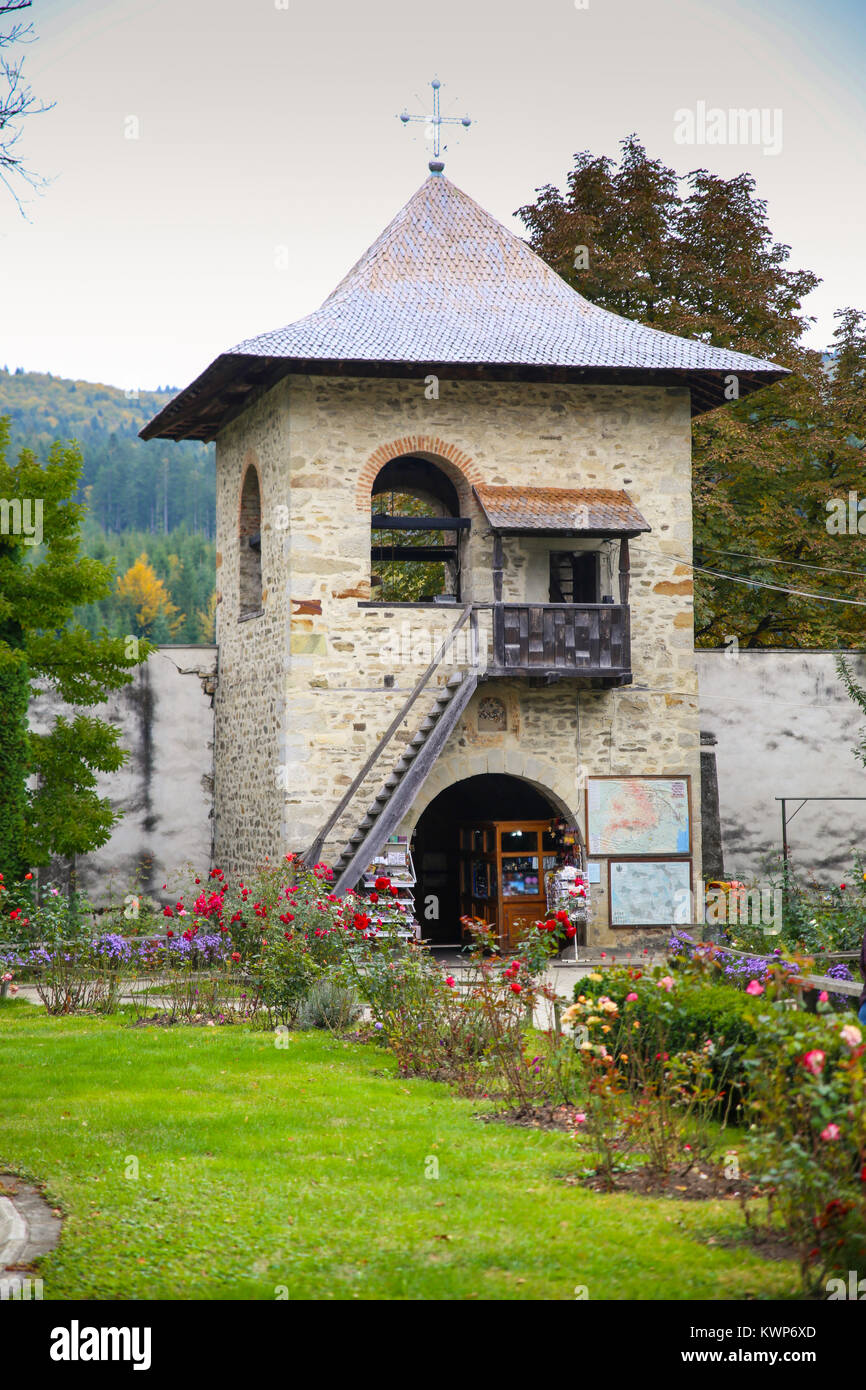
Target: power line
{"points": [[757, 583], [771, 560]]}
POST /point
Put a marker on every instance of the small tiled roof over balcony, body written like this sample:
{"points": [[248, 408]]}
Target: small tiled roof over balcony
{"points": [[447, 288], [555, 511]]}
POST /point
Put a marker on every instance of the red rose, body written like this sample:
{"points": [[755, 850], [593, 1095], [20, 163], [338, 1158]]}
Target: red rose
{"points": [[236, 955], [167, 912], [516, 988]]}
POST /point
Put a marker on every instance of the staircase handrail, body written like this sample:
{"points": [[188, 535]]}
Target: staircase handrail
{"points": [[312, 854]]}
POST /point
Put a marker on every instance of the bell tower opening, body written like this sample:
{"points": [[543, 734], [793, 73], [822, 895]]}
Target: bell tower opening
{"points": [[412, 558]]}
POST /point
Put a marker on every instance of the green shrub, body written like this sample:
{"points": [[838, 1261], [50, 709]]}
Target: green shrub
{"points": [[679, 1014], [330, 1005], [685, 1015], [806, 1098]]}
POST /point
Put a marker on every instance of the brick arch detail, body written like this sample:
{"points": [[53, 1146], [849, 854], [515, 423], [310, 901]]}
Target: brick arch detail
{"points": [[412, 444]]}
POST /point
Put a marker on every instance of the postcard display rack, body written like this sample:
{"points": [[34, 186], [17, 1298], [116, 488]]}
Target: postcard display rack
{"points": [[393, 915]]}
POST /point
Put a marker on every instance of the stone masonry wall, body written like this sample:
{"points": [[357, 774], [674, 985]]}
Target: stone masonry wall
{"points": [[250, 698], [308, 710]]}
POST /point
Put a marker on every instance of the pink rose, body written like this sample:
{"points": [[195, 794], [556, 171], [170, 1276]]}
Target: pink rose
{"points": [[631, 998], [754, 988], [814, 1061], [667, 983], [851, 1036], [823, 997], [831, 1133]]}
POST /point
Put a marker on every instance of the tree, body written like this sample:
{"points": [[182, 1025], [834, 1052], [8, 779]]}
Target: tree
{"points": [[42, 578], [16, 99], [405, 581], [855, 692], [147, 601], [206, 620], [694, 256]]}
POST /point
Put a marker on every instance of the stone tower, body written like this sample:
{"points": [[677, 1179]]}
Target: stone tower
{"points": [[541, 665]]}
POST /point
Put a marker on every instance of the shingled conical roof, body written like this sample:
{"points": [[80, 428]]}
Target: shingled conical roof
{"points": [[447, 286]]}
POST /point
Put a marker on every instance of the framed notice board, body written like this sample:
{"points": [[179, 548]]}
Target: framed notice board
{"points": [[650, 892], [630, 816]]}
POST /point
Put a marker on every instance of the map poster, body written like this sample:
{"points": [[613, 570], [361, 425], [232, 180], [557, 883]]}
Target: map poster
{"points": [[638, 815], [650, 892]]}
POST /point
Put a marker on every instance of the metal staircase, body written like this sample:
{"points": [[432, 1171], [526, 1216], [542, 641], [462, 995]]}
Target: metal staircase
{"points": [[408, 774], [406, 778]]}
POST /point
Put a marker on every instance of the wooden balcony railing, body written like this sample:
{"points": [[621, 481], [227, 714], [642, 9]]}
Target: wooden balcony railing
{"points": [[577, 639]]}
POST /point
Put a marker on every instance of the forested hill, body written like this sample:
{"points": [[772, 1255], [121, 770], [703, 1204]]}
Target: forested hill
{"points": [[128, 485], [150, 507]]}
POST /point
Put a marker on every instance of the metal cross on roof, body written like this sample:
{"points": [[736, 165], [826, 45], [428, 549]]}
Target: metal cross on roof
{"points": [[435, 122]]}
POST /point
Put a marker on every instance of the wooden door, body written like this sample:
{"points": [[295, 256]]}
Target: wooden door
{"points": [[502, 867], [521, 877], [516, 918]]}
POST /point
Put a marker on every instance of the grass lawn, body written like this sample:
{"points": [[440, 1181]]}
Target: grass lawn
{"points": [[307, 1167]]}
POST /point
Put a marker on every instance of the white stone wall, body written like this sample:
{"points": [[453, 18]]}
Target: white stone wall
{"points": [[785, 727], [165, 791]]}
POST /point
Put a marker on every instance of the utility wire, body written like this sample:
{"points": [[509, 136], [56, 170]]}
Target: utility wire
{"points": [[757, 583], [771, 560]]}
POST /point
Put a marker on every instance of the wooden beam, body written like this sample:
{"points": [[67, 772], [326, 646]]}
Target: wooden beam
{"points": [[497, 567], [624, 569], [380, 553], [381, 522]]}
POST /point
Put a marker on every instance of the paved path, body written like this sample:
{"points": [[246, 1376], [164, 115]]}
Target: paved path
{"points": [[29, 1227]]}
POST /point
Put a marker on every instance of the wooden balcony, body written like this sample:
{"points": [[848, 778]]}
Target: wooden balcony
{"points": [[591, 640]]}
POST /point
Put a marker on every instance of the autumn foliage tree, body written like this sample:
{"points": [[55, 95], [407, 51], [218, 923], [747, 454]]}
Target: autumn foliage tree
{"points": [[694, 255], [146, 598]]}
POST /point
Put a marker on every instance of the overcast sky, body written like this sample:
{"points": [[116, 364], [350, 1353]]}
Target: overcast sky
{"points": [[268, 155]]}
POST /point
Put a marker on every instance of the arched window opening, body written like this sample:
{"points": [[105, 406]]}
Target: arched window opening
{"points": [[250, 536], [405, 561]]}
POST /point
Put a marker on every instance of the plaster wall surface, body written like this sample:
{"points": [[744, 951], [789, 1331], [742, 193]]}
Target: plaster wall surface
{"points": [[785, 728], [166, 790]]}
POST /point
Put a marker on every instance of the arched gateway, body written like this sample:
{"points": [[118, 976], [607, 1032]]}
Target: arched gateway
{"points": [[482, 848]]}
